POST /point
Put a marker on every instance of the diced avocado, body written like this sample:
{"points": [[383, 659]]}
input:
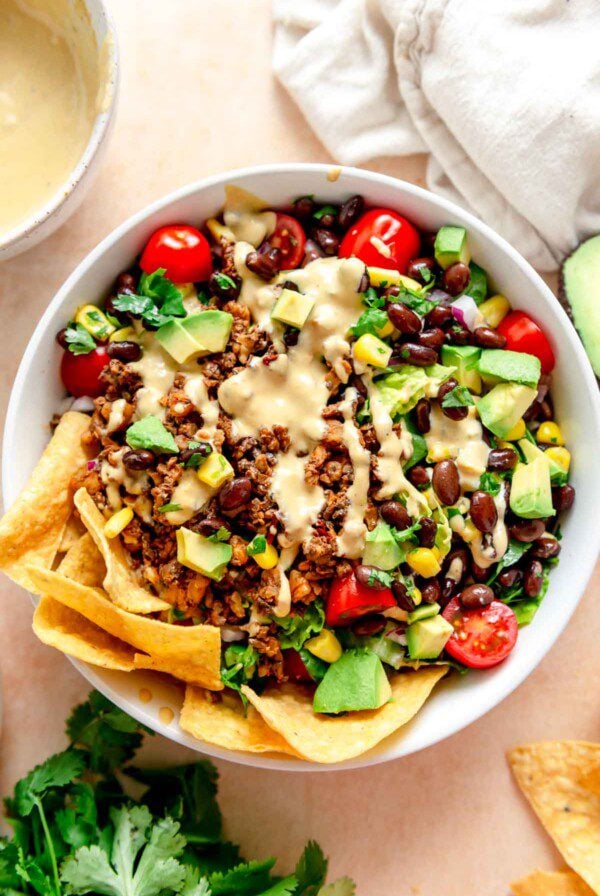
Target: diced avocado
{"points": [[210, 329], [356, 681], [531, 451], [198, 553], [579, 292], [152, 435], [381, 548], [531, 492], [427, 638], [176, 340], [503, 406], [465, 359], [424, 611], [292, 308], [451, 246], [512, 367], [215, 470]]}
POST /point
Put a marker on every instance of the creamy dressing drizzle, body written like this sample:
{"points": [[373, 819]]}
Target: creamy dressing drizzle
{"points": [[247, 216], [299, 502], [192, 495], [196, 391], [461, 440], [486, 550], [115, 474], [157, 370], [351, 540]]}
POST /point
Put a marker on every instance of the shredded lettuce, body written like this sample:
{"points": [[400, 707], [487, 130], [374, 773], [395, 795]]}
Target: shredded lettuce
{"points": [[401, 390]]}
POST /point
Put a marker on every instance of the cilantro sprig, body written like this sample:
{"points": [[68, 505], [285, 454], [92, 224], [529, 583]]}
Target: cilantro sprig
{"points": [[156, 302], [459, 397], [79, 340]]}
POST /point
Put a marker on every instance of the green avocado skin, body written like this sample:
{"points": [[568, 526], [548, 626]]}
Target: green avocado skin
{"points": [[579, 292], [356, 681]]}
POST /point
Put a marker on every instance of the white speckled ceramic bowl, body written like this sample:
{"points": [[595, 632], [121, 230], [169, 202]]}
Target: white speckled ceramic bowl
{"points": [[458, 701], [68, 197]]}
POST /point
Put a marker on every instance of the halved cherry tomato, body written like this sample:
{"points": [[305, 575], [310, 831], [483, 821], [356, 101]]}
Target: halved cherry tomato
{"points": [[81, 373], [293, 666], [182, 250], [383, 239], [348, 599], [522, 334], [290, 239], [482, 637]]}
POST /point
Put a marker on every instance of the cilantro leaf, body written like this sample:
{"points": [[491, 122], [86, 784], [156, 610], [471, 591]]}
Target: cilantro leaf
{"points": [[58, 770], [325, 210], [194, 885], [311, 870], [258, 545], [204, 450], [371, 298], [239, 665], [108, 735], [406, 534], [298, 628], [491, 483], [78, 340], [248, 877], [459, 397], [419, 445], [418, 301], [168, 508], [157, 301], [284, 887], [513, 554], [373, 320], [222, 534], [379, 576]]}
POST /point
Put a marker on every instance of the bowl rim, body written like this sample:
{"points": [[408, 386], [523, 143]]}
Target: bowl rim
{"points": [[108, 89], [537, 650]]}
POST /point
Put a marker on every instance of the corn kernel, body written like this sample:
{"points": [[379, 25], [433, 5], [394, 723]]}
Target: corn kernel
{"points": [[94, 321], [325, 646], [117, 522], [560, 456], [424, 562], [215, 470], [386, 277], [549, 433], [268, 559], [517, 432], [125, 334], [503, 444], [416, 596], [386, 330], [495, 309], [219, 231], [368, 349]]}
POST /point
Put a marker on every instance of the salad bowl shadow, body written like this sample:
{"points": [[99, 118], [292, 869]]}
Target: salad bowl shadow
{"points": [[462, 699]]}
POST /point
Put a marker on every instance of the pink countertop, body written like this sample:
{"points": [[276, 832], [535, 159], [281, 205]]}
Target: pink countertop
{"points": [[196, 98]]}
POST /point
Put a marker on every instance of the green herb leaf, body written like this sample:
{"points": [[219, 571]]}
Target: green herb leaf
{"points": [[106, 734], [222, 534], [79, 341], [248, 877], [373, 320], [299, 627], [239, 665], [168, 508], [381, 577], [491, 483], [258, 545], [151, 434], [315, 667], [417, 301], [311, 870], [325, 210], [372, 299], [58, 770], [224, 281], [158, 300], [459, 397]]}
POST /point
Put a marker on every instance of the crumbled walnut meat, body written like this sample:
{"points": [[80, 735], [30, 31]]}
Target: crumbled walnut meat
{"points": [[266, 643], [165, 478], [121, 381]]}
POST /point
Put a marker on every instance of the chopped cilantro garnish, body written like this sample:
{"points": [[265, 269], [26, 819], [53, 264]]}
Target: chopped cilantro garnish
{"points": [[194, 461], [490, 482], [222, 534], [459, 397], [80, 342], [373, 320], [258, 545], [224, 281], [168, 508], [371, 299], [157, 301], [325, 210], [379, 576], [416, 300]]}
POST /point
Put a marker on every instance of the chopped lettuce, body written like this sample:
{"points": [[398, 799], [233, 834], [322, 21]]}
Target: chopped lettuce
{"points": [[401, 390]]}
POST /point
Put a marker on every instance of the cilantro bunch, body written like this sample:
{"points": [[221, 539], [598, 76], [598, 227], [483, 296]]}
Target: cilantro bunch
{"points": [[78, 830]]}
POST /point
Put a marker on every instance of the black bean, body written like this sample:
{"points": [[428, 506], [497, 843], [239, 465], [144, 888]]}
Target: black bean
{"points": [[533, 578], [488, 338], [140, 459], [501, 459], [210, 525], [223, 286], [395, 514], [422, 412], [475, 596], [439, 316], [312, 252], [235, 494], [60, 338], [417, 268], [124, 351], [350, 211], [203, 449], [419, 355], [509, 577], [291, 336], [483, 510], [328, 220], [368, 576], [264, 264], [527, 530], [456, 278], [456, 564], [369, 626], [432, 338], [404, 318], [304, 207], [125, 283], [446, 482], [451, 413], [478, 572], [327, 240], [431, 591], [545, 547], [365, 282], [563, 497], [403, 598], [459, 335], [449, 586], [427, 532], [419, 476]]}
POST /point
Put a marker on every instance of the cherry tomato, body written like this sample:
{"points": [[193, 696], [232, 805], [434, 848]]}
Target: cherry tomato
{"points": [[482, 637], [380, 229], [290, 239], [81, 373], [293, 666], [522, 334], [348, 599], [182, 250]]}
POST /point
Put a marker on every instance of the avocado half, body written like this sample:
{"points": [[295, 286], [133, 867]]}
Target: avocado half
{"points": [[579, 293]]}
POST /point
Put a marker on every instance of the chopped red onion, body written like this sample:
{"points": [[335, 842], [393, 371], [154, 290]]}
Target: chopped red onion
{"points": [[466, 312], [92, 464]]}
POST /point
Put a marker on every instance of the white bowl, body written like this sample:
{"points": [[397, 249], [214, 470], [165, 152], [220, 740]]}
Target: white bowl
{"points": [[68, 197], [459, 701]]}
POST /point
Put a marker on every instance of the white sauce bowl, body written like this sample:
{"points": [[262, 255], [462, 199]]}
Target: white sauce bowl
{"points": [[46, 219], [458, 701]]}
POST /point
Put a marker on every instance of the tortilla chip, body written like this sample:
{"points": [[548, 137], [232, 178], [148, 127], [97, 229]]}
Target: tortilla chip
{"points": [[71, 633], [72, 532], [192, 652], [550, 775], [31, 531], [319, 738], [84, 563], [119, 583], [551, 883], [225, 725]]}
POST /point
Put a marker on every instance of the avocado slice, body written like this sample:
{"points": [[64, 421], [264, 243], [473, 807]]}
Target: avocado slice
{"points": [[451, 246], [426, 638], [579, 292], [292, 308], [531, 452], [465, 358], [503, 406], [512, 367], [356, 681], [178, 342], [210, 329], [198, 553], [382, 549], [531, 492], [423, 611]]}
